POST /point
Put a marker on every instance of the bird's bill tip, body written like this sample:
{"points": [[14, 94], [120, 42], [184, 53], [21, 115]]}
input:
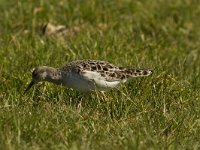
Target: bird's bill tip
{"points": [[29, 86]]}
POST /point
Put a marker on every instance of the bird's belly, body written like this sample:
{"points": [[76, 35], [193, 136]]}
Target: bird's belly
{"points": [[86, 85], [79, 84], [103, 85]]}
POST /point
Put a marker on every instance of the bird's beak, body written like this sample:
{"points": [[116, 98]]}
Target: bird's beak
{"points": [[29, 86]]}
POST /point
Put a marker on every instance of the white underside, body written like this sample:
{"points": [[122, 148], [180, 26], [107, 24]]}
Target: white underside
{"points": [[90, 81]]}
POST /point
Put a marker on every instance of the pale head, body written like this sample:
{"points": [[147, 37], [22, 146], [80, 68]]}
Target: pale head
{"points": [[42, 73]]}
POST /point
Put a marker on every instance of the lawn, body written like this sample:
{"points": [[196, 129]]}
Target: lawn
{"points": [[161, 111]]}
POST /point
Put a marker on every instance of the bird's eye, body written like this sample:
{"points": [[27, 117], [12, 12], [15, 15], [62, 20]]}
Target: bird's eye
{"points": [[34, 74]]}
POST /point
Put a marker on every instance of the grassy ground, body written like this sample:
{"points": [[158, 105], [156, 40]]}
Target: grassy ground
{"points": [[157, 112]]}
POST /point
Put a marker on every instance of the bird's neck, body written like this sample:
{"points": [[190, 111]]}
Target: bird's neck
{"points": [[53, 75]]}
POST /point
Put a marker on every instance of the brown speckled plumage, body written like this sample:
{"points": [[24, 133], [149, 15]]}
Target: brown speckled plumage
{"points": [[106, 69]]}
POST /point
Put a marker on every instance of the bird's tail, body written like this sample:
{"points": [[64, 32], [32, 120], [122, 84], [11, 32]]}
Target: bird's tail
{"points": [[137, 72]]}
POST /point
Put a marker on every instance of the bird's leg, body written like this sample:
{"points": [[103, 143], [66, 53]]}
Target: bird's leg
{"points": [[103, 96], [79, 107], [82, 101]]}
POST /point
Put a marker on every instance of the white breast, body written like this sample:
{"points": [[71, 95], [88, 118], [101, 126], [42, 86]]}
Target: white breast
{"points": [[89, 81]]}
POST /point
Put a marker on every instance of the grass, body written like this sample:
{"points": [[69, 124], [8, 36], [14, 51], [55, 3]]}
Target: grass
{"points": [[157, 112]]}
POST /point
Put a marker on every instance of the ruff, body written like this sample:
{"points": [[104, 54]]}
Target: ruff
{"points": [[87, 75]]}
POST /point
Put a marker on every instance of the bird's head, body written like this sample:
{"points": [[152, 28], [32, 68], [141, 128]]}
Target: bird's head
{"points": [[38, 74]]}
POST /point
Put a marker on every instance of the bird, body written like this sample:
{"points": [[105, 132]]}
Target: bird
{"points": [[87, 75]]}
